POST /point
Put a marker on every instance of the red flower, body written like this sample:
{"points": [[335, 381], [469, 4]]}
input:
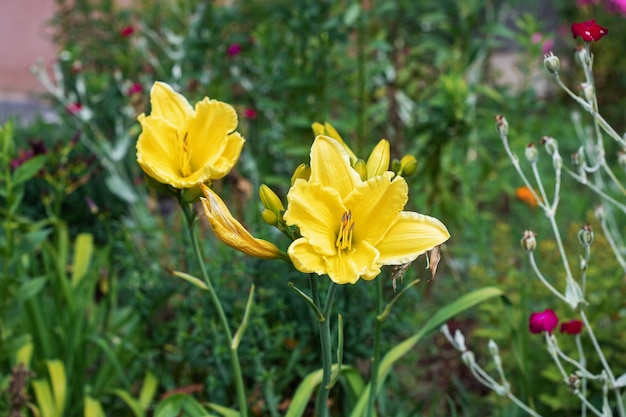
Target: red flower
{"points": [[74, 108], [589, 30], [572, 327], [545, 321], [249, 113], [127, 31], [234, 49], [136, 88]]}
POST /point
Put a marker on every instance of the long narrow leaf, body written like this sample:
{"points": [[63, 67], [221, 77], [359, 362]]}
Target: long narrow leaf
{"points": [[93, 408], [181, 404], [150, 384], [83, 252], [132, 403], [44, 399], [58, 378], [442, 315]]}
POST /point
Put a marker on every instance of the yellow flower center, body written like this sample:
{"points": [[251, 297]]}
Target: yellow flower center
{"points": [[185, 158], [344, 237]]}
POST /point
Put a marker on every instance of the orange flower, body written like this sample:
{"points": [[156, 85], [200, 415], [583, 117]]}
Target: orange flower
{"points": [[525, 195]]}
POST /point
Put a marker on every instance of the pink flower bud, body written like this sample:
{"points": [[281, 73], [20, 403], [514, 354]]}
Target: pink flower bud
{"points": [[545, 321]]}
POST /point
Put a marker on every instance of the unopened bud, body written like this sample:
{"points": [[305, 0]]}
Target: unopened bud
{"points": [[599, 213], [587, 91], [269, 217], [578, 158], [361, 167], [378, 161], [550, 144], [529, 243], [531, 153], [552, 63], [585, 236], [408, 166], [502, 126], [270, 200], [303, 171], [493, 348], [557, 162], [581, 56]]}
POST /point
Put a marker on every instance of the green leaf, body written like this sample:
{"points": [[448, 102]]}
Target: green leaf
{"points": [[244, 322], [181, 404], [30, 288], [309, 384], [43, 395], [132, 403], [28, 169], [224, 411], [56, 371], [442, 315], [93, 408], [121, 188], [150, 384], [83, 252], [191, 279]]}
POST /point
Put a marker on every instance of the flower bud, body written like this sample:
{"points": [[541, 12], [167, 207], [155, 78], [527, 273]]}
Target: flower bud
{"points": [[502, 126], [599, 213], [408, 166], [303, 171], [396, 167], [378, 161], [269, 217], [581, 56], [550, 144], [587, 91], [531, 153], [585, 236], [552, 63], [529, 243], [270, 200], [493, 348], [557, 162], [361, 167]]}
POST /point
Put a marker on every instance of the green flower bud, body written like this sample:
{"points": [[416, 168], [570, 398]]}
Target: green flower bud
{"points": [[303, 171], [269, 217], [587, 91], [378, 161], [585, 236], [529, 243], [502, 126], [408, 166], [550, 144], [552, 63], [361, 167], [531, 153], [270, 200]]}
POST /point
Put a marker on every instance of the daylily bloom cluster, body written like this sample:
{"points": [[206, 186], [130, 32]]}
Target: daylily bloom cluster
{"points": [[547, 321], [345, 216]]}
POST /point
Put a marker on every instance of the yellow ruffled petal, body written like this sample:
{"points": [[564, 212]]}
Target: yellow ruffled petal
{"points": [[231, 232], [412, 235], [229, 157], [378, 161], [330, 166], [317, 211], [347, 268], [169, 105], [305, 258], [375, 206], [155, 147]]}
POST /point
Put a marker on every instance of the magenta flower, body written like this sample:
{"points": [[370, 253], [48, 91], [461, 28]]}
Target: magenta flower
{"points": [[136, 88], [572, 327], [74, 108], [127, 31], [589, 31], [234, 49], [545, 321], [249, 113]]}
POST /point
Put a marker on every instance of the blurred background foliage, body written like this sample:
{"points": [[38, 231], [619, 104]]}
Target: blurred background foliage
{"points": [[425, 75]]}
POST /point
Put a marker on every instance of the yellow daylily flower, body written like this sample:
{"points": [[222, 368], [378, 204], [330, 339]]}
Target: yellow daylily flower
{"points": [[231, 232], [181, 145], [349, 227]]}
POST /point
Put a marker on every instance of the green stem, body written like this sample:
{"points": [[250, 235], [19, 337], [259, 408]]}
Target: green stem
{"points": [[190, 218], [376, 358], [321, 402]]}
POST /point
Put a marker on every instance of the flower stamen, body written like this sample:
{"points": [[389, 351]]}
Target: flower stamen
{"points": [[185, 158], [344, 237]]}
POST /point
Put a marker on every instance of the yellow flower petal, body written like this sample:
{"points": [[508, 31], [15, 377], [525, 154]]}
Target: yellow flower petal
{"points": [[231, 232], [330, 166], [168, 104], [317, 211], [347, 268], [378, 161], [375, 205], [412, 235], [229, 156], [305, 258]]}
